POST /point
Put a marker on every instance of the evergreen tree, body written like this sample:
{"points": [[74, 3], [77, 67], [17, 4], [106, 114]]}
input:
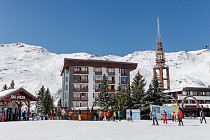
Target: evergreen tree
{"points": [[138, 91], [12, 85], [47, 102], [104, 97], [128, 96], [121, 98], [154, 93], [5, 87], [40, 100]]}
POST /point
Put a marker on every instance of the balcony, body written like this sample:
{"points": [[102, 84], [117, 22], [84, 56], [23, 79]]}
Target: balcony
{"points": [[80, 99], [111, 73], [76, 99], [123, 82], [111, 90], [111, 82], [98, 81], [81, 72], [84, 98], [97, 90], [98, 73], [124, 74], [80, 89], [80, 81]]}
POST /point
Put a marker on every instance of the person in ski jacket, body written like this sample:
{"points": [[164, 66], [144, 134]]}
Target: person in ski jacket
{"points": [[180, 116], [202, 115], [114, 115], [119, 115], [165, 117], [173, 114], [154, 118]]}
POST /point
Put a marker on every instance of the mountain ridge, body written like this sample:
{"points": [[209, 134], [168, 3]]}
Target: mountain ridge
{"points": [[33, 66]]}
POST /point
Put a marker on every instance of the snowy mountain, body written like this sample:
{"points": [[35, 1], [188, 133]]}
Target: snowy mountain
{"points": [[33, 66]]}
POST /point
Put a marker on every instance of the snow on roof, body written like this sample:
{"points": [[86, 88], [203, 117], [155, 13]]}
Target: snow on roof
{"points": [[7, 92]]}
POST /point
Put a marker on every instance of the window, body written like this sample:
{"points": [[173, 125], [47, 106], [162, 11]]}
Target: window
{"points": [[97, 86], [98, 78], [76, 86], [77, 95], [66, 104], [110, 70], [67, 71], [124, 87], [66, 79], [110, 78], [84, 104], [77, 68], [84, 86], [123, 79], [76, 103], [207, 93], [77, 77], [66, 95], [84, 68], [111, 87], [66, 87], [98, 69], [123, 71], [83, 94]]}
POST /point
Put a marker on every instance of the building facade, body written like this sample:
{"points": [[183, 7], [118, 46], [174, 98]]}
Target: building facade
{"points": [[190, 99], [81, 80]]}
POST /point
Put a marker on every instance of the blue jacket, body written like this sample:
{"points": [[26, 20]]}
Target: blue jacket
{"points": [[154, 114]]}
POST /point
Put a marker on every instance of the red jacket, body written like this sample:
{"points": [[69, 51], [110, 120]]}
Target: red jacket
{"points": [[180, 114]]}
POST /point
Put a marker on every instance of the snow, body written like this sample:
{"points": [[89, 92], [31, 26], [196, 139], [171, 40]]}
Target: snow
{"points": [[33, 66], [95, 130], [7, 92]]}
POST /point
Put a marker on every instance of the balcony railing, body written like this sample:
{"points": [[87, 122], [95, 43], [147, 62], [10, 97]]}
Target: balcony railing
{"points": [[111, 90], [80, 89], [111, 82], [111, 73], [80, 81], [97, 90], [123, 82], [81, 72], [98, 81], [98, 73], [123, 74], [80, 98], [84, 98]]}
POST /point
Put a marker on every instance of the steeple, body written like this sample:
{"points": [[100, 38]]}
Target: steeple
{"points": [[159, 39], [161, 68]]}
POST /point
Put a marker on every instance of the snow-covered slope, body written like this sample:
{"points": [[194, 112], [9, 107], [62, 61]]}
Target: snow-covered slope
{"points": [[33, 66]]}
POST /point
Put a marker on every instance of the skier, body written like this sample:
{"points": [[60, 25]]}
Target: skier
{"points": [[173, 114], [154, 118], [119, 115], [202, 116], [131, 113], [164, 117], [180, 116], [114, 116]]}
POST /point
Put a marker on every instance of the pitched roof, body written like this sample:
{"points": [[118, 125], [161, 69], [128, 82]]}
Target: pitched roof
{"points": [[6, 93]]}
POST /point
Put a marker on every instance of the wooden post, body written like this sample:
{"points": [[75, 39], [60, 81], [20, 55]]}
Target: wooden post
{"points": [[2, 119]]}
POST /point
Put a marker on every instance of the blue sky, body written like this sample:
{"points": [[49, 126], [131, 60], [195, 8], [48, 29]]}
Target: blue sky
{"points": [[104, 27]]}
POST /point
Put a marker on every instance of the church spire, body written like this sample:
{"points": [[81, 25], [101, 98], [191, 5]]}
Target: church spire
{"points": [[159, 39]]}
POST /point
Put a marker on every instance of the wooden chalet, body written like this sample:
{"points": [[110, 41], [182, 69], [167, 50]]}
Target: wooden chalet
{"points": [[12, 100]]}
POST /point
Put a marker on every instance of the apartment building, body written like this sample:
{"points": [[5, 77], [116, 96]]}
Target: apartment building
{"points": [[190, 99], [81, 80]]}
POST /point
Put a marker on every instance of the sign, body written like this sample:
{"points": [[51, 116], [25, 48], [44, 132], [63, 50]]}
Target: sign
{"points": [[160, 109], [135, 114], [18, 97]]}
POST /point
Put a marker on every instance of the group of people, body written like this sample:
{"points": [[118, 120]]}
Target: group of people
{"points": [[179, 115], [106, 115], [174, 116]]}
